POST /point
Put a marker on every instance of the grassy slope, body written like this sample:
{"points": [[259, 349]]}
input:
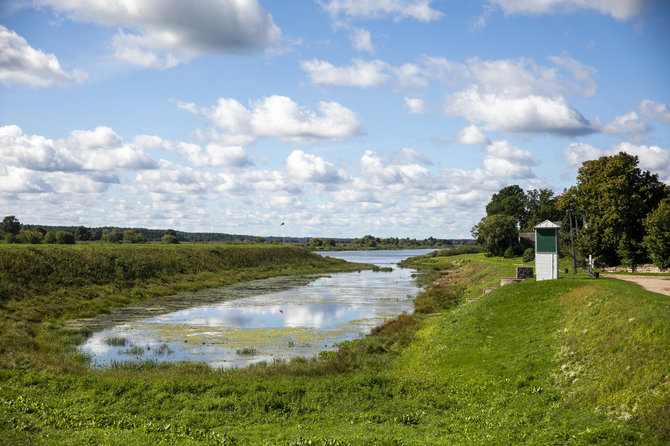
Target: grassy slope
{"points": [[573, 361]]}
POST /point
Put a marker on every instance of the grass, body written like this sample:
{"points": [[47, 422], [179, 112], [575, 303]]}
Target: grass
{"points": [[574, 361]]}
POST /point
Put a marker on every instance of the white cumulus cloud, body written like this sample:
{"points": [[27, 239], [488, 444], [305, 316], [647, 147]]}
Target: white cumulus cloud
{"points": [[525, 114], [361, 39], [367, 9], [164, 33], [619, 9], [472, 136], [503, 160], [655, 110], [360, 73], [652, 158], [627, 123], [415, 106], [280, 117], [313, 169], [22, 64]]}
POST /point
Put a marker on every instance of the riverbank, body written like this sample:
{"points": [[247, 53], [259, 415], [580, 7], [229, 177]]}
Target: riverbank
{"points": [[572, 361], [43, 287]]}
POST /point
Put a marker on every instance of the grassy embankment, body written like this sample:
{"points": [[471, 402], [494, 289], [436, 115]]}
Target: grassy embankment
{"points": [[572, 361]]}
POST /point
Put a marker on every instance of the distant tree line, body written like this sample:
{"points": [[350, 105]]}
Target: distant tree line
{"points": [[616, 212], [12, 231], [372, 242]]}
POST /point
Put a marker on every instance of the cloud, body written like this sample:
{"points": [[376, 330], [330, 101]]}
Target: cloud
{"points": [[164, 33], [361, 73], [279, 117], [313, 169], [472, 136], [369, 9], [628, 123], [514, 95], [655, 110], [619, 9], [22, 64], [503, 160], [415, 106], [394, 173], [361, 39], [527, 114], [577, 152], [651, 158], [216, 155], [98, 150], [19, 179], [580, 72]]}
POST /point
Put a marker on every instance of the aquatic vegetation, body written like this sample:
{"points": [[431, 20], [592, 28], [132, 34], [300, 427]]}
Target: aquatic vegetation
{"points": [[116, 341], [247, 351]]}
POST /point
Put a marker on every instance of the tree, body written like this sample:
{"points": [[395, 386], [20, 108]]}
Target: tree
{"points": [[64, 238], [496, 233], [540, 206], [49, 238], [612, 198], [32, 237], [657, 239], [511, 201], [10, 228], [82, 234], [170, 237]]}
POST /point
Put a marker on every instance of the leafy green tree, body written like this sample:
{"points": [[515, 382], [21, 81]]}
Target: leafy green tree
{"points": [[113, 236], [170, 237], [657, 239], [496, 233], [132, 236], [64, 238], [82, 234], [10, 228], [49, 238], [28, 236], [613, 197], [540, 205], [511, 201]]}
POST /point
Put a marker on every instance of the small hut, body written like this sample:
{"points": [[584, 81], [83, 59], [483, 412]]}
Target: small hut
{"points": [[546, 250]]}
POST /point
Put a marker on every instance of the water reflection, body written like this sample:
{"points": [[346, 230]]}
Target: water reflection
{"points": [[300, 321]]}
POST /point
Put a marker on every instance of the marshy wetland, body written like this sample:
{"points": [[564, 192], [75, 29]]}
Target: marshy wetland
{"points": [[262, 320]]}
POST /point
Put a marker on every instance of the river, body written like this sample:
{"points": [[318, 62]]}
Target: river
{"points": [[236, 329]]}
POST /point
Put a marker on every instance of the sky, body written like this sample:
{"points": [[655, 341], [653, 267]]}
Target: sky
{"points": [[338, 118]]}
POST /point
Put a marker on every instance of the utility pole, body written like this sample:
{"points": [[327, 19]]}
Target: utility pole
{"points": [[572, 245]]}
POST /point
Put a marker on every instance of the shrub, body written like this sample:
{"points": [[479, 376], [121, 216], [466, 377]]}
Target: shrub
{"points": [[529, 255], [509, 253]]}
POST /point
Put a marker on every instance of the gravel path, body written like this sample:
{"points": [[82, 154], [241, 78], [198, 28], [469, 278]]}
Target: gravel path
{"points": [[657, 284]]}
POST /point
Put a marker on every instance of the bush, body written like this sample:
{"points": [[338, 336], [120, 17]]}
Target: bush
{"points": [[509, 253], [529, 255]]}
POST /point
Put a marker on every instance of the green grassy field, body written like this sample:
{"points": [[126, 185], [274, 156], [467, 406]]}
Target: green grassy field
{"points": [[573, 361]]}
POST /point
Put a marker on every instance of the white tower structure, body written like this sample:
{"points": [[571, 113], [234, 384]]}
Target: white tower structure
{"points": [[546, 251]]}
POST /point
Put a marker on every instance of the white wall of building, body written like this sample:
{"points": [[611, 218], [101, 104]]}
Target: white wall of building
{"points": [[546, 266]]}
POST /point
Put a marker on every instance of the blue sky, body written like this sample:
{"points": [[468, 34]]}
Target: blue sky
{"points": [[338, 117]]}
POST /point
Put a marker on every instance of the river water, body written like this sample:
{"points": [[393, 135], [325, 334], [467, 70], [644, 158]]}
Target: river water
{"points": [[233, 331]]}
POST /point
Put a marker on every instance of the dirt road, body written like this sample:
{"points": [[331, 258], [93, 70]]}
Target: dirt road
{"points": [[657, 284]]}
